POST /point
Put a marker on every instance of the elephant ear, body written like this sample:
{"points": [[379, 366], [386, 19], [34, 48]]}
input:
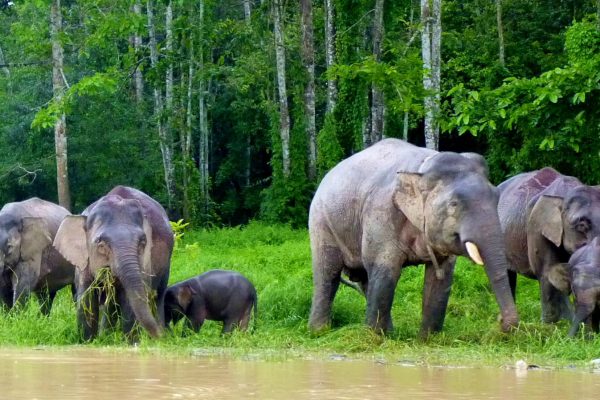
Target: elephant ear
{"points": [[184, 297], [409, 198], [147, 255], [35, 237], [482, 167], [546, 218], [71, 241], [560, 277]]}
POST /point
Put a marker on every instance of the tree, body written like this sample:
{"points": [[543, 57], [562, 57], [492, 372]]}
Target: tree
{"points": [[431, 18], [377, 101], [308, 56], [284, 114], [165, 143], [500, 32], [202, 118], [59, 85]]}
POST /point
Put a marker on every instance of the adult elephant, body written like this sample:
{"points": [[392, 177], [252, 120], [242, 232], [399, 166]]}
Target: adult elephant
{"points": [[545, 217], [28, 262], [129, 232], [394, 205]]}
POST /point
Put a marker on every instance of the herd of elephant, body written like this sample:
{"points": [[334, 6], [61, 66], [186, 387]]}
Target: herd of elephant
{"points": [[394, 205], [44, 248], [389, 206]]}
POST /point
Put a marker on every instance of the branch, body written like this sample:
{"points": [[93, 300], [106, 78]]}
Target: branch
{"points": [[27, 64], [26, 172]]}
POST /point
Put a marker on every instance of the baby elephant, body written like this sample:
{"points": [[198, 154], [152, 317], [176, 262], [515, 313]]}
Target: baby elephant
{"points": [[584, 271], [215, 295]]}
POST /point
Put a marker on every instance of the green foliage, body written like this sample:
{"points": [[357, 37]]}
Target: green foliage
{"points": [[545, 120]]}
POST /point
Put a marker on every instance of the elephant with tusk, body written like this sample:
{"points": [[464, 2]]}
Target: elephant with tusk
{"points": [[394, 205]]}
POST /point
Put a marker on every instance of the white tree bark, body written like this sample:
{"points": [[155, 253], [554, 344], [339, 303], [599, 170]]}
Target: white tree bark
{"points": [[60, 128], [248, 167], [165, 147], [308, 56], [6, 71], [500, 32], [431, 53], [330, 53], [377, 101], [138, 79], [203, 159], [284, 128], [247, 10]]}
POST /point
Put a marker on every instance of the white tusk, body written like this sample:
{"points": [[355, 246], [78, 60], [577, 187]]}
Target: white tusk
{"points": [[474, 252]]}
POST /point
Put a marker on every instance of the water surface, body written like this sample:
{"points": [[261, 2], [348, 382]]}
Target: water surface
{"points": [[94, 374]]}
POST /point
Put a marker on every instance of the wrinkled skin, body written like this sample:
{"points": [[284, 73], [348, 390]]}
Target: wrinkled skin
{"points": [[129, 232], [216, 295], [546, 217], [394, 205], [28, 262]]}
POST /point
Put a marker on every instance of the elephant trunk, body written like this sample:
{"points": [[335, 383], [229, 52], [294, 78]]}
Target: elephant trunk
{"points": [[489, 246], [128, 272]]}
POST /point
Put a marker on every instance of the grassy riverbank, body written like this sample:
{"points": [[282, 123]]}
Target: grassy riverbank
{"points": [[277, 260]]}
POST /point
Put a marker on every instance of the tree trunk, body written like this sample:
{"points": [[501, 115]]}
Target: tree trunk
{"points": [[165, 148], [377, 103], [6, 71], [330, 53], [247, 10], [60, 128], [430, 48], [500, 32], [284, 122], [308, 56], [186, 142], [248, 167], [138, 79], [204, 137]]}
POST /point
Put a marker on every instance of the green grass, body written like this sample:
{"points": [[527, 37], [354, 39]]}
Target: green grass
{"points": [[277, 260]]}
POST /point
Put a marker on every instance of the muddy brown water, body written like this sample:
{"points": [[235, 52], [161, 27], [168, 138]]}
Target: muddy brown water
{"points": [[93, 374]]}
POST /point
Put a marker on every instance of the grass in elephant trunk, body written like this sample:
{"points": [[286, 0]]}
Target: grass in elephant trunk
{"points": [[277, 260]]}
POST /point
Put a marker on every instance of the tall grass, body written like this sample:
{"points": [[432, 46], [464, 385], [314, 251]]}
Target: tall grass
{"points": [[277, 260]]}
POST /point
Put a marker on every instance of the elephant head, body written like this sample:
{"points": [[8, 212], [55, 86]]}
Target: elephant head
{"points": [[177, 301], [115, 233], [452, 202], [22, 242], [581, 275], [566, 223]]}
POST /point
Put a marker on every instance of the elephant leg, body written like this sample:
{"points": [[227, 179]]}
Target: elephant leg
{"points": [[46, 299], [245, 320], [512, 282], [555, 304], [596, 319], [161, 292], [380, 296], [582, 312], [436, 293], [23, 281], [327, 271], [229, 325], [6, 291]]}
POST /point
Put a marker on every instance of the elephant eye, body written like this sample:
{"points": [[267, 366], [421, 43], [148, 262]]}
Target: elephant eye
{"points": [[143, 241], [583, 225]]}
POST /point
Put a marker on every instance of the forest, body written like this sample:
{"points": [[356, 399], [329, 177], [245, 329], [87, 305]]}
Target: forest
{"points": [[232, 110]]}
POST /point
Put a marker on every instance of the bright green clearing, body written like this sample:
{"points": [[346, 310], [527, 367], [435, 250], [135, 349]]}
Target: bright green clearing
{"points": [[277, 260]]}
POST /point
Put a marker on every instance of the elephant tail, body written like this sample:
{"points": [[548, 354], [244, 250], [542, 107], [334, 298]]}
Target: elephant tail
{"points": [[254, 313]]}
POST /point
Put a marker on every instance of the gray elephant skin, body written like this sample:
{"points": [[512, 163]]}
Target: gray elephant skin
{"points": [[216, 295], [545, 217], [582, 277], [28, 262], [394, 205], [129, 232]]}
